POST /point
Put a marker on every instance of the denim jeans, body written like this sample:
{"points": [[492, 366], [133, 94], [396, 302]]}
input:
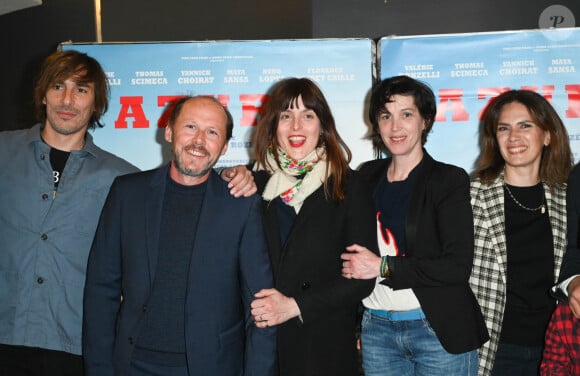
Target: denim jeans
{"points": [[409, 347], [514, 360]]}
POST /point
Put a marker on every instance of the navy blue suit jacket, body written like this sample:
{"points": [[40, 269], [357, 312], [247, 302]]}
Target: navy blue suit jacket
{"points": [[229, 264]]}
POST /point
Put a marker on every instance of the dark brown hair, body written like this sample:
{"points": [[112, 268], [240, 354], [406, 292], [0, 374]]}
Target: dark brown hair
{"points": [[556, 160], [382, 93], [282, 97], [62, 65]]}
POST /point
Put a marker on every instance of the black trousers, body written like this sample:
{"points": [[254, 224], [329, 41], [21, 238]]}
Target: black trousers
{"points": [[34, 361]]}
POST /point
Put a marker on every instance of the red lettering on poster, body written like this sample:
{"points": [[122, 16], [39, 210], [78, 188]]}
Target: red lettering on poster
{"points": [[548, 92], [224, 99], [251, 105], [450, 100], [164, 100], [169, 101], [484, 93], [131, 107], [490, 92], [573, 110]]}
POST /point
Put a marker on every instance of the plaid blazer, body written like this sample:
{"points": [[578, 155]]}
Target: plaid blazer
{"points": [[488, 276]]}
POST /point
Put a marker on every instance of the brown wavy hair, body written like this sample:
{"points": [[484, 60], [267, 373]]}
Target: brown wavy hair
{"points": [[283, 96], [62, 65], [556, 160]]}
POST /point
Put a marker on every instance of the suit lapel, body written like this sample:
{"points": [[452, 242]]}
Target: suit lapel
{"points": [[270, 222], [154, 207], [314, 203], [417, 203], [556, 202], [377, 173], [212, 212], [272, 233]]}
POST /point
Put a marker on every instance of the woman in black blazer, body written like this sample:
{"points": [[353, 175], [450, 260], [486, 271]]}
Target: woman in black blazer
{"points": [[422, 317], [314, 207]]}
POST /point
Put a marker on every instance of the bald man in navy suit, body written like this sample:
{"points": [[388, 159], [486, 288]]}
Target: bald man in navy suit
{"points": [[175, 263]]}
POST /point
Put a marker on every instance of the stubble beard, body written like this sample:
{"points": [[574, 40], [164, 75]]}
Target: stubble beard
{"points": [[191, 172]]}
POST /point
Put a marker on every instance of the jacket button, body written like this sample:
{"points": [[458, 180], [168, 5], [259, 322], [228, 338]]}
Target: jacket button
{"points": [[45, 197], [42, 157], [305, 285], [131, 340], [44, 236], [144, 308], [40, 280]]}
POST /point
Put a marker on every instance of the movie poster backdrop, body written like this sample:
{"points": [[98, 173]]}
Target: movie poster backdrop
{"points": [[466, 70], [145, 77]]}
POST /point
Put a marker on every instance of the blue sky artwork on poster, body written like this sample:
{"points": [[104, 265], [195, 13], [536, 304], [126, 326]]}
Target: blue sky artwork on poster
{"points": [[144, 77], [466, 70]]}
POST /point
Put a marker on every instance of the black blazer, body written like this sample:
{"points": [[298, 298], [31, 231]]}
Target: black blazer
{"points": [[308, 268], [439, 234]]}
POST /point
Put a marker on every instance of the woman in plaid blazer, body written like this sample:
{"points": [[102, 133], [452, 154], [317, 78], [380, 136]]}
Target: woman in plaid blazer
{"points": [[518, 199]]}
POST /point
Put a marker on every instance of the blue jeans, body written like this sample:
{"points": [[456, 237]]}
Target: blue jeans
{"points": [[409, 347], [514, 360]]}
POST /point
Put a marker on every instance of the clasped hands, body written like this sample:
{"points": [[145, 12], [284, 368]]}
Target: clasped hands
{"points": [[360, 263], [270, 307]]}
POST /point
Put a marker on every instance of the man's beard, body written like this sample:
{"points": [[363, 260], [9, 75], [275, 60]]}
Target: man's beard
{"points": [[188, 171]]}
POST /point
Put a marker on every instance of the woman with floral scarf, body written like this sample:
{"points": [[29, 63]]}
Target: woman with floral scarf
{"points": [[314, 208]]}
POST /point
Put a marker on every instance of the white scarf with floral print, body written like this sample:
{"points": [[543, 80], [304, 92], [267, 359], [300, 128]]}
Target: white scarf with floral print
{"points": [[285, 183]]}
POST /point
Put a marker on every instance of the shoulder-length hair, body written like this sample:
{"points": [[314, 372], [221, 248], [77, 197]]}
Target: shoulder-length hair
{"points": [[283, 96], [62, 65], [382, 94], [556, 160]]}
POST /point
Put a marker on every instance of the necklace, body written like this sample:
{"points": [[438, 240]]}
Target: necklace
{"points": [[541, 208]]}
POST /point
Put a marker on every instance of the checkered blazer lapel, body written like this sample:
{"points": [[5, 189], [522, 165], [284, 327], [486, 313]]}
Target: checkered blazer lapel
{"points": [[556, 201], [491, 216]]}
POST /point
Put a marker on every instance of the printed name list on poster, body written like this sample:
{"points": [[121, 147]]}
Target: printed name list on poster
{"points": [[239, 74], [466, 70]]}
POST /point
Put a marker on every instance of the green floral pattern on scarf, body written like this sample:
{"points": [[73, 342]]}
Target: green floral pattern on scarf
{"points": [[293, 167]]}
